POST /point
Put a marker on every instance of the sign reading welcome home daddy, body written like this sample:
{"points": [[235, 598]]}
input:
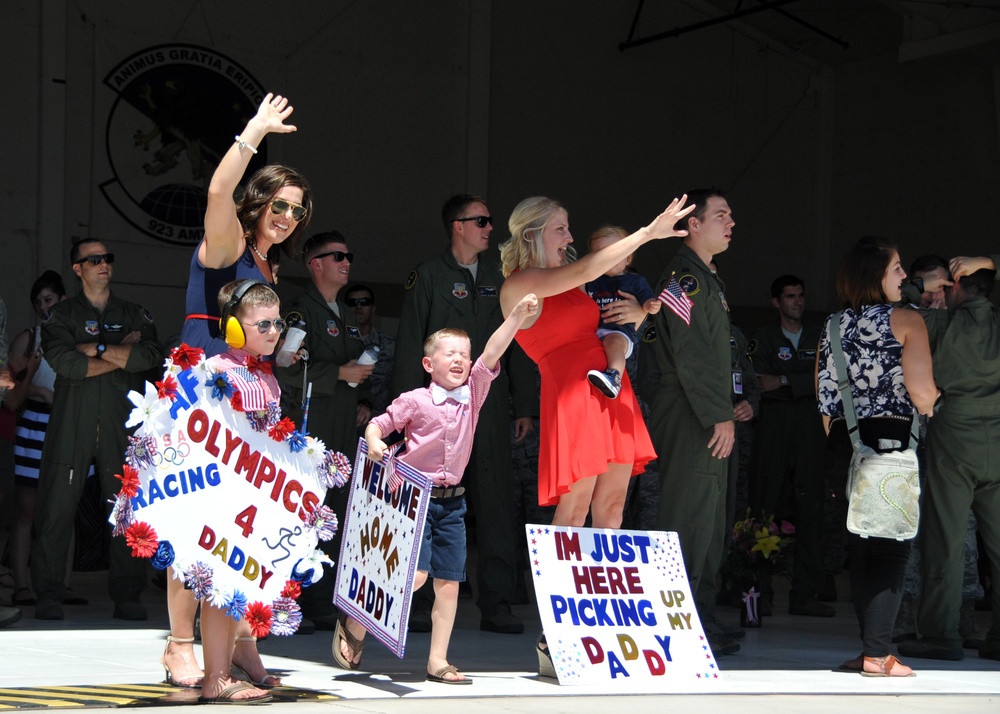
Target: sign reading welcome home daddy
{"points": [[616, 607], [381, 542]]}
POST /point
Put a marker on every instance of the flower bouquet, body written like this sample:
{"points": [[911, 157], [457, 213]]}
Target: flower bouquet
{"points": [[756, 553]]}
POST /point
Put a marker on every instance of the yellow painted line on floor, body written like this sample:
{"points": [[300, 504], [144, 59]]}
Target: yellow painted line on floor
{"points": [[119, 696], [138, 690], [57, 703]]}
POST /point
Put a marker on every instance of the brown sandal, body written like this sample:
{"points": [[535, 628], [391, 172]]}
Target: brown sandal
{"points": [[226, 696], [451, 669], [343, 635], [886, 665]]}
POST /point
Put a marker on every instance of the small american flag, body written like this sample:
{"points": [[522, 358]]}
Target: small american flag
{"points": [[250, 387], [393, 479], [677, 300]]}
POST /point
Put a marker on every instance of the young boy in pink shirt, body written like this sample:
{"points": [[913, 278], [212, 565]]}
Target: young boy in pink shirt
{"points": [[439, 422]]}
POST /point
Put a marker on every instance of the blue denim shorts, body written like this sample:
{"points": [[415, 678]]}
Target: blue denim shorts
{"points": [[442, 547]]}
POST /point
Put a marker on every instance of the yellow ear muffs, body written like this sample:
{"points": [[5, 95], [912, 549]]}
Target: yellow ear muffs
{"points": [[229, 325]]}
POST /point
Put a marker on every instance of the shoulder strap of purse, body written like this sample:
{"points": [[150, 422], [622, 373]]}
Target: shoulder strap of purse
{"points": [[844, 381], [844, 385]]}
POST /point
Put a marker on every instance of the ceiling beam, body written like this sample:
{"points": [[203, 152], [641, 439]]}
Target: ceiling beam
{"points": [[952, 42]]}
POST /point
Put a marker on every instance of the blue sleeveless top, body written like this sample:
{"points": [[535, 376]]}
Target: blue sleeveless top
{"points": [[203, 299], [874, 358]]}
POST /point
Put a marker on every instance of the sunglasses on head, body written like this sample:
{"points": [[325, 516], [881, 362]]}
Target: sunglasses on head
{"points": [[338, 255], [264, 326], [358, 301], [481, 221], [280, 206], [96, 260]]}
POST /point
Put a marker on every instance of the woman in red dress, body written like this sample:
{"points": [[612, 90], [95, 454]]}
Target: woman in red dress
{"points": [[590, 445]]}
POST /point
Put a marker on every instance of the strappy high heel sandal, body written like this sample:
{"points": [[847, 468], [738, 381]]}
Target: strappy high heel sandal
{"points": [[545, 666], [193, 682], [268, 681]]}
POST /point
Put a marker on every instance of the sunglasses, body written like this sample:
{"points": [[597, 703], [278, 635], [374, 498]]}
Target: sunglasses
{"points": [[96, 260], [338, 255], [358, 301], [264, 326], [481, 221], [280, 206]]}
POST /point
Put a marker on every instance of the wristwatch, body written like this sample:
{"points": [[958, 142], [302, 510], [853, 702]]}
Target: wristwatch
{"points": [[101, 347], [784, 380]]}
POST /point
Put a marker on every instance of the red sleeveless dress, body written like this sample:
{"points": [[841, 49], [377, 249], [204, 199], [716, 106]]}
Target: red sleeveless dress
{"points": [[582, 431]]}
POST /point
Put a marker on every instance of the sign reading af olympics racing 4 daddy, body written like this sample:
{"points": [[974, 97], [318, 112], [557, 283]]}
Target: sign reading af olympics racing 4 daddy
{"points": [[616, 607], [231, 498], [385, 518]]}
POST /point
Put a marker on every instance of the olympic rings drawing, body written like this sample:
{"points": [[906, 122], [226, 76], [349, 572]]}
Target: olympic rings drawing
{"points": [[172, 456]]}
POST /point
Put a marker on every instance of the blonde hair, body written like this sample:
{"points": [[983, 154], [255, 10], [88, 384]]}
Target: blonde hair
{"points": [[525, 249], [431, 343], [609, 231]]}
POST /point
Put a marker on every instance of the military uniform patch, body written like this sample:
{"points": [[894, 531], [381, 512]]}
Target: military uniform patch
{"points": [[784, 353], [116, 327], [411, 280], [331, 328], [649, 334], [148, 316], [92, 328], [353, 332], [751, 347], [295, 319], [689, 284], [460, 291], [487, 291]]}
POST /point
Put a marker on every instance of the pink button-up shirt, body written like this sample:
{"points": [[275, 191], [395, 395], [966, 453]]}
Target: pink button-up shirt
{"points": [[438, 436]]}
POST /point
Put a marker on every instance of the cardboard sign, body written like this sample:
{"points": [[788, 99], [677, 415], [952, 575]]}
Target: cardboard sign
{"points": [[617, 608], [380, 547], [235, 496]]}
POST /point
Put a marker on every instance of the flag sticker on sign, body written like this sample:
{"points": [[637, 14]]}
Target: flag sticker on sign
{"points": [[677, 300]]}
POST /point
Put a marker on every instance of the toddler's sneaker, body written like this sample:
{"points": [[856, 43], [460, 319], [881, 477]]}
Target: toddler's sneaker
{"points": [[608, 381]]}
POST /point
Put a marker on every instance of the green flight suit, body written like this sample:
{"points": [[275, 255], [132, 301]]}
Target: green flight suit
{"points": [[87, 423], [333, 407], [787, 472], [440, 293], [695, 364], [963, 463]]}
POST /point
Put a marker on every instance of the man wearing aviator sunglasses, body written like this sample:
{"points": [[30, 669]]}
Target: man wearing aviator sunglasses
{"points": [[333, 344], [460, 288], [99, 346], [361, 299]]}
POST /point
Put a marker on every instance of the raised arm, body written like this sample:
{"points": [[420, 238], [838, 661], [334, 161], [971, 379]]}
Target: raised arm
{"points": [[963, 265], [544, 282], [501, 338], [223, 242]]}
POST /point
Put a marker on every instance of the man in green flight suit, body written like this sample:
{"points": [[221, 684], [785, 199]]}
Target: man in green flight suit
{"points": [[963, 468], [99, 346], [333, 343], [460, 288], [692, 419], [787, 467]]}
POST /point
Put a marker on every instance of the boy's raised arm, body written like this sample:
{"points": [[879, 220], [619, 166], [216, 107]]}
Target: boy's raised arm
{"points": [[500, 340]]}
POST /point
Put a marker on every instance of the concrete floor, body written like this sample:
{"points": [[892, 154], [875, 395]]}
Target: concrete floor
{"points": [[788, 665]]}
